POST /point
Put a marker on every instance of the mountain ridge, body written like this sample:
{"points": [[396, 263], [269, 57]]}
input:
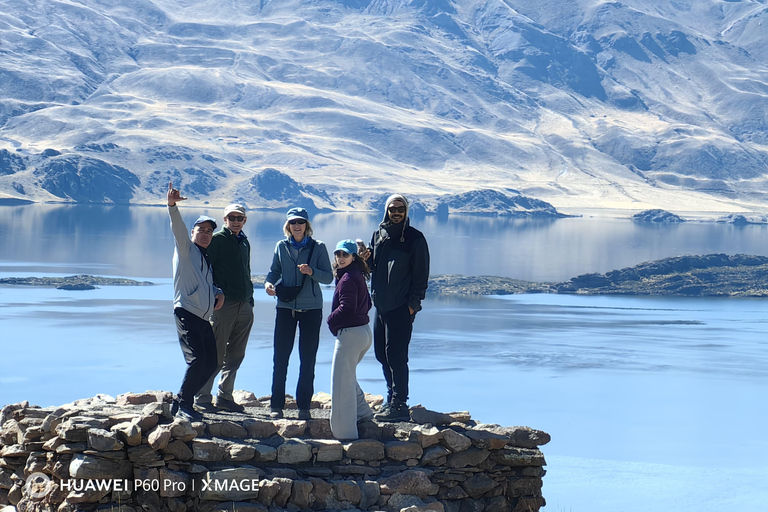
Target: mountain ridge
{"points": [[616, 104]]}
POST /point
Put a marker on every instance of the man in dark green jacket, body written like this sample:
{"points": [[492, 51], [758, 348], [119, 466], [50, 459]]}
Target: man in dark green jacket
{"points": [[230, 255]]}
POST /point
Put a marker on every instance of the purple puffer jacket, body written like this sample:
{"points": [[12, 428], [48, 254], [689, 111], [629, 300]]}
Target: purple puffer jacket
{"points": [[351, 301]]}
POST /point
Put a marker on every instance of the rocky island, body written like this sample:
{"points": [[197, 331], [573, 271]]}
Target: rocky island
{"points": [[709, 275], [130, 454]]}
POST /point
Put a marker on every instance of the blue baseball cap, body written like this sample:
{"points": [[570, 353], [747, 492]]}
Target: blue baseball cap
{"points": [[204, 218], [348, 246], [297, 213]]}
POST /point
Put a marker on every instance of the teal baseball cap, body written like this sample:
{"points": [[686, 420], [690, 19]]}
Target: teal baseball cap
{"points": [[348, 246]]}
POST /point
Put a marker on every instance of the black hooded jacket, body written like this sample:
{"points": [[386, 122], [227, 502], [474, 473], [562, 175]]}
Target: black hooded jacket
{"points": [[399, 264]]}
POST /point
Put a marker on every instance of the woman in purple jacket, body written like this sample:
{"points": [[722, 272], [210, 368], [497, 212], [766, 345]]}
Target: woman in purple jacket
{"points": [[348, 321]]}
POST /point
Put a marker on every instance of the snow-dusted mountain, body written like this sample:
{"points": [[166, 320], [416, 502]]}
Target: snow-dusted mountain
{"points": [[632, 104]]}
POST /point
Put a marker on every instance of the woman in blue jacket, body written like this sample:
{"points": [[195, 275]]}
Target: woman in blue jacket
{"points": [[299, 264]]}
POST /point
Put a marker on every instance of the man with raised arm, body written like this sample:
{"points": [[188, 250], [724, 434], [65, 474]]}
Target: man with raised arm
{"points": [[230, 257], [399, 275], [194, 300]]}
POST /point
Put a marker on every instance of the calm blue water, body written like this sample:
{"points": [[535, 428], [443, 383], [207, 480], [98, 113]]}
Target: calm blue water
{"points": [[652, 403]]}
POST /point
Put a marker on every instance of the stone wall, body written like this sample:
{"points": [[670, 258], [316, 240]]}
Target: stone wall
{"points": [[129, 454]]}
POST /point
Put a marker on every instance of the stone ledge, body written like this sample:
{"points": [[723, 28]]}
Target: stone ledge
{"points": [[130, 454]]}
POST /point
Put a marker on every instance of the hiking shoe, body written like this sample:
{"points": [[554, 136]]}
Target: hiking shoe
{"points": [[396, 411], [304, 414], [185, 411], [228, 405], [275, 413], [205, 407]]}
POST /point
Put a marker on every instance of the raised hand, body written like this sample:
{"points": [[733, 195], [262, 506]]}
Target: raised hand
{"points": [[174, 196]]}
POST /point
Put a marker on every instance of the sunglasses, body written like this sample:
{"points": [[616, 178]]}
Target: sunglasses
{"points": [[396, 209], [300, 222], [342, 254], [235, 218]]}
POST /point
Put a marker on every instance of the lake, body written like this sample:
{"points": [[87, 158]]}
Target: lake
{"points": [[652, 403]]}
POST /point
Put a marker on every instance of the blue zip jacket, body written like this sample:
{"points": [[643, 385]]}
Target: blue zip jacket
{"points": [[285, 269]]}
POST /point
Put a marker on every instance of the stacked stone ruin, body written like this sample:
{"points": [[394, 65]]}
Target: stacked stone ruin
{"points": [[129, 454]]}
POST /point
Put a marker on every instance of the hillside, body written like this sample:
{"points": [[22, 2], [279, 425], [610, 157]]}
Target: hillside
{"points": [[634, 104]]}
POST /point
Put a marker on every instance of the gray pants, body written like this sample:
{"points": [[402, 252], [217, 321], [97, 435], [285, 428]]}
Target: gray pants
{"points": [[347, 399], [231, 326]]}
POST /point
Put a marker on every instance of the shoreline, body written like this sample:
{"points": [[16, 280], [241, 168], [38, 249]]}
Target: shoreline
{"points": [[709, 275]]}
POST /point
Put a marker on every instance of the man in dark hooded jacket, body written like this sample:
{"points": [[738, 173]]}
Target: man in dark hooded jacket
{"points": [[399, 263]]}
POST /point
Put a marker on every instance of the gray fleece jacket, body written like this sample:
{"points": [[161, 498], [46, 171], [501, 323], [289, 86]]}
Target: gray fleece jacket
{"points": [[193, 287]]}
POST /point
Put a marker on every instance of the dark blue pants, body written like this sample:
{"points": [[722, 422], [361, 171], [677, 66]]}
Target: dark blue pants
{"points": [[199, 347], [309, 323], [391, 336]]}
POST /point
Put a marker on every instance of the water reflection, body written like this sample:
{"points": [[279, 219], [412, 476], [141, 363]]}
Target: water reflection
{"points": [[136, 241]]}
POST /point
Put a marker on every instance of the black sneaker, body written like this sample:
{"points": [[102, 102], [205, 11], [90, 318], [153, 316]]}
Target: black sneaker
{"points": [[275, 413], [205, 407], [187, 412], [228, 405], [396, 411], [304, 414]]}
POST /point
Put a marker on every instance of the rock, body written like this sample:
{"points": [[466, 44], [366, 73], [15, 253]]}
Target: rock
{"points": [[103, 440], [499, 504], [452, 493], [264, 453], [657, 216], [301, 494], [128, 432], [232, 484], [347, 491], [424, 416], [290, 428], [403, 450], [518, 457], [486, 440], [369, 493], [321, 491], [147, 397], [434, 455], [240, 452], [294, 451], [284, 491], [321, 400], [319, 428], [268, 489], [245, 398], [88, 466], [143, 455], [14, 450], [523, 486], [425, 435], [71, 448], [365, 449], [470, 457], [183, 430], [478, 484], [523, 437], [208, 450], [412, 481], [259, 429], [179, 450], [227, 429], [455, 441], [327, 450]]}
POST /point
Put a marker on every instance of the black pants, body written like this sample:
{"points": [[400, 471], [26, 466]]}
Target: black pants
{"points": [[309, 323], [199, 347], [391, 337]]}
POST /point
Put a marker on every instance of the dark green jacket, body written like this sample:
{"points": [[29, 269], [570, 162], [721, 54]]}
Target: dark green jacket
{"points": [[230, 258]]}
